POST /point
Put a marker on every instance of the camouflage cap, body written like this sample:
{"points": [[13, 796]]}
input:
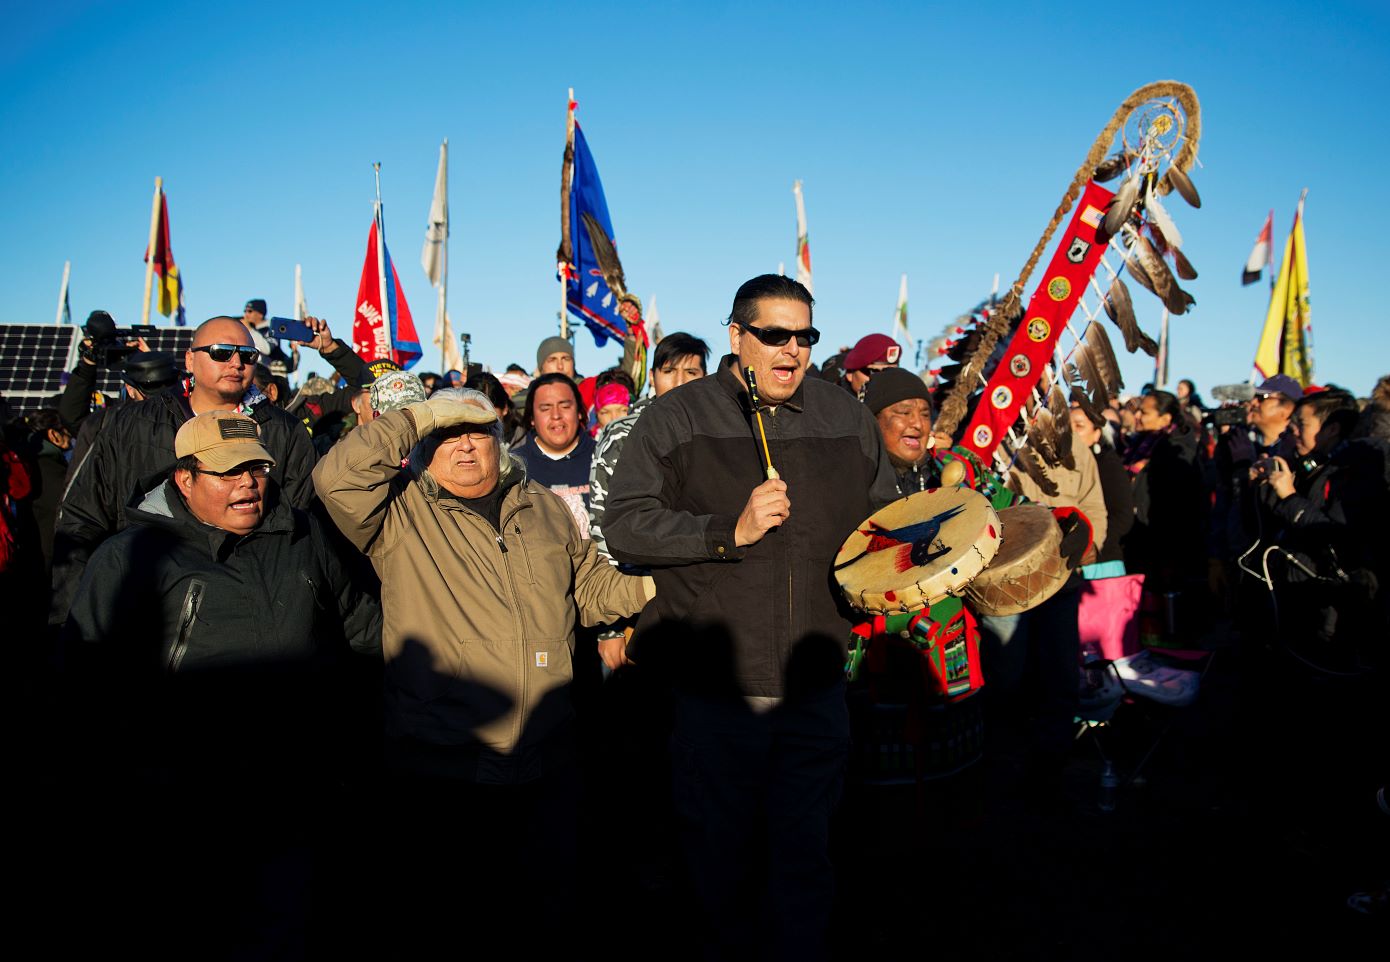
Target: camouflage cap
{"points": [[394, 390]]}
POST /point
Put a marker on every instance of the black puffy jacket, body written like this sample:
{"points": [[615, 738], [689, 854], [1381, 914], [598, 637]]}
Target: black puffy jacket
{"points": [[216, 642], [137, 442]]}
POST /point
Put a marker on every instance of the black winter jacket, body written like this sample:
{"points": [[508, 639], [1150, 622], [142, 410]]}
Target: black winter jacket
{"points": [[220, 640], [767, 619], [137, 442]]}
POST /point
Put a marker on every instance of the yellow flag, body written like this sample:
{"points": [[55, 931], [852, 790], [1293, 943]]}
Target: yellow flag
{"points": [[1286, 344]]}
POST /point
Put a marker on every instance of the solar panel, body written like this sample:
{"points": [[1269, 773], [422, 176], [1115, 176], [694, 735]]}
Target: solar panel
{"points": [[35, 359]]}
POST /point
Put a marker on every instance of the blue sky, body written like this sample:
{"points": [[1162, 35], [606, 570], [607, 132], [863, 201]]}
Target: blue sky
{"points": [[931, 140]]}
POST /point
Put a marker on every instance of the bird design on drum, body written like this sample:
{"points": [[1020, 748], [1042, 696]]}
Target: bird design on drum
{"points": [[915, 541]]}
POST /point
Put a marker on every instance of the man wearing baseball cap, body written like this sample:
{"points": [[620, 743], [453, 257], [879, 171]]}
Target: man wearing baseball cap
{"points": [[871, 354], [198, 642], [1268, 433], [137, 442], [253, 315]]}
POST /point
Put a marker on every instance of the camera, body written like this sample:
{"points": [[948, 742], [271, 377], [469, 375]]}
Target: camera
{"points": [[109, 344], [1225, 416]]}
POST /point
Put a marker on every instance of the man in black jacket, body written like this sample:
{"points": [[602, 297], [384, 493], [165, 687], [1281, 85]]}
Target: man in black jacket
{"points": [[203, 648], [137, 442], [747, 615]]}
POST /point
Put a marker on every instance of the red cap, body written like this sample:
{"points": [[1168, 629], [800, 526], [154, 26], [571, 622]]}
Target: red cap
{"points": [[872, 349]]}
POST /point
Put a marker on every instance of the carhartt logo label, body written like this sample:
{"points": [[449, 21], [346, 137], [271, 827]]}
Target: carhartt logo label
{"points": [[542, 659]]}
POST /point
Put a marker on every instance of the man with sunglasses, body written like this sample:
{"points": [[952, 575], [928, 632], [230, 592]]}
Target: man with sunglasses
{"points": [[746, 621], [201, 646], [1268, 434], [137, 442], [263, 340], [871, 354]]}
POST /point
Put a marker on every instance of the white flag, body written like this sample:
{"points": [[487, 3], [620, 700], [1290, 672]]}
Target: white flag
{"points": [[449, 346], [803, 242], [900, 332], [437, 232], [1261, 253], [654, 320]]}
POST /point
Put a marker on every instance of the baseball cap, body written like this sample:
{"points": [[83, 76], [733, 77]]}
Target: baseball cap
{"points": [[394, 390], [872, 349], [1281, 384], [221, 440], [382, 365]]}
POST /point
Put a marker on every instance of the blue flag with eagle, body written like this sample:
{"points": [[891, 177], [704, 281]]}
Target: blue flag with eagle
{"points": [[587, 293]]}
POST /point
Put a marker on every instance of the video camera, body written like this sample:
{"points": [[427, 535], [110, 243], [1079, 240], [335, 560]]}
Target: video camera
{"points": [[109, 344], [1233, 398], [1228, 415]]}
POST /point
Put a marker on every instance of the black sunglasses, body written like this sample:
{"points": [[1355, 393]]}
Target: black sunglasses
{"points": [[222, 353], [779, 336]]}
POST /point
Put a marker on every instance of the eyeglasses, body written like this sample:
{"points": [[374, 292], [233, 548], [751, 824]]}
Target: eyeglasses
{"points": [[447, 436], [779, 336], [258, 470], [222, 353]]}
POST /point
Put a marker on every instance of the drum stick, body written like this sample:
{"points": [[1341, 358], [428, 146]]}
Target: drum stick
{"points": [[772, 474]]}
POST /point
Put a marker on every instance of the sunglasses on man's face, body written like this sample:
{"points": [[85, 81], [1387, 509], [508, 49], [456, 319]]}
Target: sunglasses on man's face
{"points": [[222, 353], [779, 336]]}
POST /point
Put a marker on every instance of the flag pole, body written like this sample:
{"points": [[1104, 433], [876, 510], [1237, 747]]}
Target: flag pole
{"points": [[1303, 283], [443, 309], [63, 292], [149, 251], [567, 183], [386, 315]]}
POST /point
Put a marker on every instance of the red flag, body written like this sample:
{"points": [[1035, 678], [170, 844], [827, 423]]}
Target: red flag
{"points": [[383, 327], [371, 332], [171, 284]]}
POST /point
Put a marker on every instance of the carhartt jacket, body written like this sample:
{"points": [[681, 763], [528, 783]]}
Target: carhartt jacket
{"points": [[479, 623]]}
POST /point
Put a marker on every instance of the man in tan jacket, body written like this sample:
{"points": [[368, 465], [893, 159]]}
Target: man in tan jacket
{"points": [[482, 576]]}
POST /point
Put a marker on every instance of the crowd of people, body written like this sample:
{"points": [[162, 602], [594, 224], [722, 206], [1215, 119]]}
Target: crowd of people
{"points": [[494, 621]]}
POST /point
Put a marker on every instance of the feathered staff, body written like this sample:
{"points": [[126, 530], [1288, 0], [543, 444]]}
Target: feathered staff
{"points": [[1159, 127]]}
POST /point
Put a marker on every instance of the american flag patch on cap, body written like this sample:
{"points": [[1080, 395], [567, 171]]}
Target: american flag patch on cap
{"points": [[237, 429]]}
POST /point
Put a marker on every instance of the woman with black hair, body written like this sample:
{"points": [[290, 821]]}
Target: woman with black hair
{"points": [[1167, 542], [1330, 509]]}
